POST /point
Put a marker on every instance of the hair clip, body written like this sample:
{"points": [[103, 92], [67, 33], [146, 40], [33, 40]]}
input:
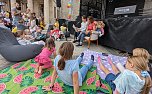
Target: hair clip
{"points": [[145, 74]]}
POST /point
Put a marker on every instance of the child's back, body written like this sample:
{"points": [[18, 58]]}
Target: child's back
{"points": [[129, 82], [66, 74]]}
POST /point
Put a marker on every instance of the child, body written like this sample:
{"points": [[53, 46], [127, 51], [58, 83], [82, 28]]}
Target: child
{"points": [[55, 33], [144, 53], [63, 31], [100, 28], [67, 69], [43, 59], [134, 80]]}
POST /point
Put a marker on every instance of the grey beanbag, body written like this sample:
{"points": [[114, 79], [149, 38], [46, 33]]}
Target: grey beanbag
{"points": [[12, 51]]}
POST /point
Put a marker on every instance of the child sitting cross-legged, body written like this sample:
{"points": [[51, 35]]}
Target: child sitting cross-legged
{"points": [[67, 69], [43, 59], [134, 80]]}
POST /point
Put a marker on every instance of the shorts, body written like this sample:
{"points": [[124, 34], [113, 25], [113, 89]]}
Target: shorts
{"points": [[110, 78]]}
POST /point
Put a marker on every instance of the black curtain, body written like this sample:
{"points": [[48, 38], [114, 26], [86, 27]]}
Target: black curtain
{"points": [[128, 33]]}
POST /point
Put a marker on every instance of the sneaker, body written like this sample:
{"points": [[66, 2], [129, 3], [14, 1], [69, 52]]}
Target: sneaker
{"points": [[75, 41], [92, 57], [82, 54], [79, 45]]}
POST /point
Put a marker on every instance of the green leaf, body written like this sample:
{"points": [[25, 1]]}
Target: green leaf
{"points": [[68, 89], [45, 74], [27, 81], [5, 70], [5, 92], [6, 79], [32, 61]]}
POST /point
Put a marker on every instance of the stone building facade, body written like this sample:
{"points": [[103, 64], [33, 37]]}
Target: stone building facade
{"points": [[46, 8]]}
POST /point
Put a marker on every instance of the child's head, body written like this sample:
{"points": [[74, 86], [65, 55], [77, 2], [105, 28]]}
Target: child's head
{"points": [[141, 52], [50, 43], [21, 21], [66, 52], [100, 24], [84, 18], [64, 24], [136, 63]]}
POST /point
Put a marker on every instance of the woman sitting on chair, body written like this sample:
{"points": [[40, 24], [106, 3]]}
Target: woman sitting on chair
{"points": [[90, 28]]}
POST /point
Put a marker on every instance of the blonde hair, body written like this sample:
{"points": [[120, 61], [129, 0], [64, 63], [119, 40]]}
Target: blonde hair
{"points": [[139, 64], [141, 52]]}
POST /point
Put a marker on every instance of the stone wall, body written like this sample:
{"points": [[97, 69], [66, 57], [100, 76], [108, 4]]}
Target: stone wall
{"points": [[148, 7]]}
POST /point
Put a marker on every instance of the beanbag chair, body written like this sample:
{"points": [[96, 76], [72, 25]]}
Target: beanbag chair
{"points": [[12, 51]]}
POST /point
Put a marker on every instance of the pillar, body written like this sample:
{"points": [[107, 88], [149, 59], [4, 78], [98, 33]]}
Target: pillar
{"points": [[12, 3], [46, 11], [30, 5]]}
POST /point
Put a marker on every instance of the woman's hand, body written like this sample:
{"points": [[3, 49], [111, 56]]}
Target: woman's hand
{"points": [[87, 32]]}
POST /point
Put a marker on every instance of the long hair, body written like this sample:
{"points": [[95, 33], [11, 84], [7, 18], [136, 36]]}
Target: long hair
{"points": [[139, 64], [142, 52], [90, 18], [66, 52], [50, 43]]}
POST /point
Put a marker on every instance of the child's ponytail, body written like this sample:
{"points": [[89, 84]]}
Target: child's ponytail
{"points": [[147, 85], [66, 52], [61, 64]]}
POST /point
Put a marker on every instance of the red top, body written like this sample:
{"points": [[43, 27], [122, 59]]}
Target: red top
{"points": [[90, 26]]}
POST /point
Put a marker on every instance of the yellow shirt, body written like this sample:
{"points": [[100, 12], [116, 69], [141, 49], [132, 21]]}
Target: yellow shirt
{"points": [[14, 30], [63, 28]]}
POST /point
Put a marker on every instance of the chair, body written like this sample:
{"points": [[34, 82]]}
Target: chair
{"points": [[93, 37]]}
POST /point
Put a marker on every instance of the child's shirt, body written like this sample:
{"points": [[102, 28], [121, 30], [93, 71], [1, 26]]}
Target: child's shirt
{"points": [[63, 29], [83, 26], [66, 74], [21, 27], [129, 82]]}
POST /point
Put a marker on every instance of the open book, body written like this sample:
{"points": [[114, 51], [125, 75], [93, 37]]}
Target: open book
{"points": [[75, 28]]}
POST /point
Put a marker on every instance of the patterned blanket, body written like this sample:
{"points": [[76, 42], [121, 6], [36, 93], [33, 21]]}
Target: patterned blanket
{"points": [[114, 58], [21, 79]]}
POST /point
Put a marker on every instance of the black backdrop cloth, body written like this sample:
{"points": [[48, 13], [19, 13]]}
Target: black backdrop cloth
{"points": [[128, 33]]}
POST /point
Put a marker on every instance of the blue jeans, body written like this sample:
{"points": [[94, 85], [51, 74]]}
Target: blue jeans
{"points": [[82, 36], [85, 68]]}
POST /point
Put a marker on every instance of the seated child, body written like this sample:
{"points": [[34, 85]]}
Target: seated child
{"points": [[21, 26], [43, 59], [55, 33], [38, 34], [144, 53], [63, 29], [134, 80], [100, 28], [67, 69]]}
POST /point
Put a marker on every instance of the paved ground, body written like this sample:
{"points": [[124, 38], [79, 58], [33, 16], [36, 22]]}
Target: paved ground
{"points": [[77, 51]]}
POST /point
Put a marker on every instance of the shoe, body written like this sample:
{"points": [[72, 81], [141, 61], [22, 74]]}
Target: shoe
{"points": [[92, 57], [82, 54], [75, 41], [79, 45]]}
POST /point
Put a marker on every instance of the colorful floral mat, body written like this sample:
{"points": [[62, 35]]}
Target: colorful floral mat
{"points": [[21, 79]]}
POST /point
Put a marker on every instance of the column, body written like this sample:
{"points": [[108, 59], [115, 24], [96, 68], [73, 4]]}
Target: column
{"points": [[46, 11], [30, 5], [12, 3]]}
